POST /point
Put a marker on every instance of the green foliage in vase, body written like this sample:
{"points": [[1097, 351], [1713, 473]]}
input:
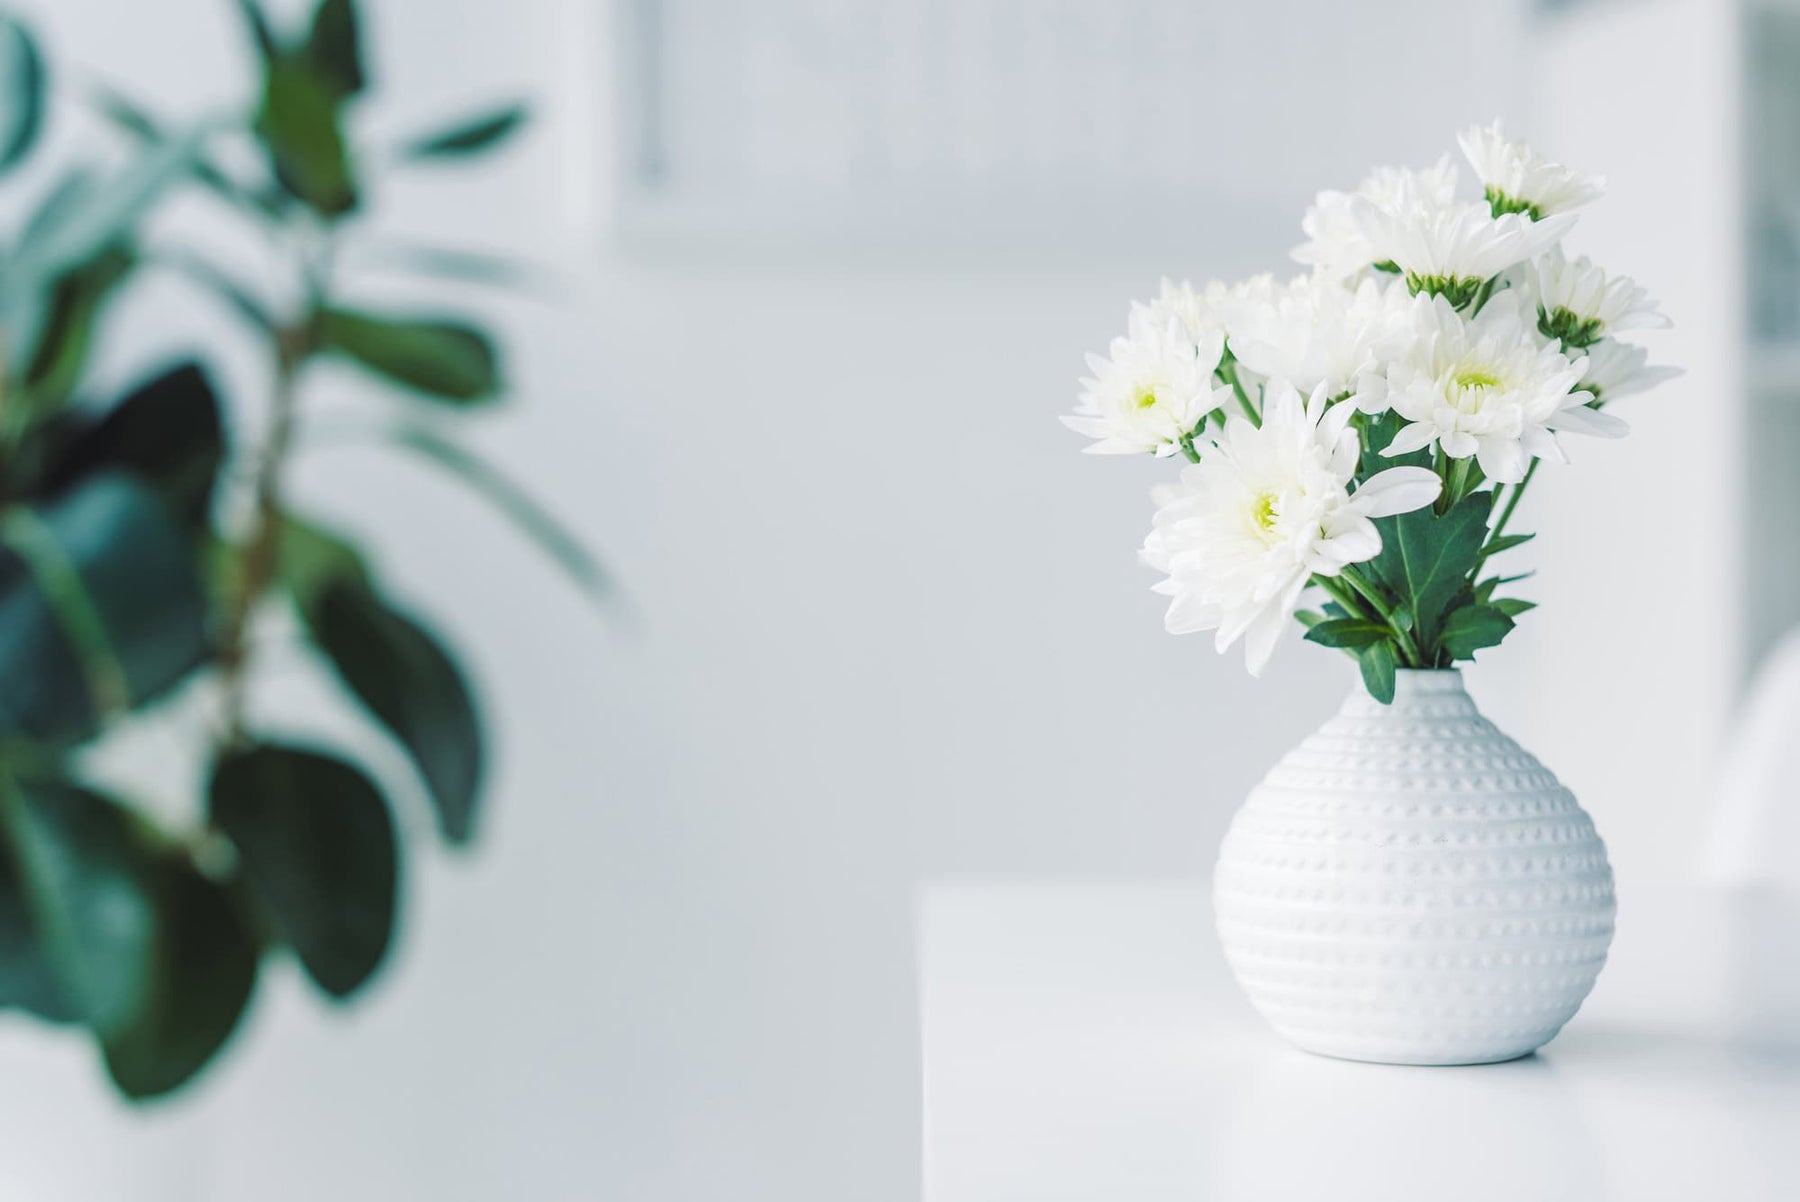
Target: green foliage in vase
{"points": [[1364, 432], [126, 575]]}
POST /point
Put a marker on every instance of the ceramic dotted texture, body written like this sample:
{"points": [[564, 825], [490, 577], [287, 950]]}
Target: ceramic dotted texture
{"points": [[1411, 886]]}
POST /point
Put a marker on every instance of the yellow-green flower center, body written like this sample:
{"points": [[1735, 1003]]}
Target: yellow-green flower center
{"points": [[1476, 377], [1262, 513], [1146, 398]]}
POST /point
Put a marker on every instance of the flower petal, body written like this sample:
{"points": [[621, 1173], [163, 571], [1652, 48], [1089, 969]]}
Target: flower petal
{"points": [[1399, 490]]}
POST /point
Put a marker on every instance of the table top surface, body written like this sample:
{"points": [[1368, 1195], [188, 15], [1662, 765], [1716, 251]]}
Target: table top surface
{"points": [[1087, 1042]]}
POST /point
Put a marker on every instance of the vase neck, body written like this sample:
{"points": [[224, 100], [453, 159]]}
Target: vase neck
{"points": [[1414, 688]]}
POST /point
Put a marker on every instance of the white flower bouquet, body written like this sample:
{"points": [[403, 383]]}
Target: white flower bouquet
{"points": [[1366, 430]]}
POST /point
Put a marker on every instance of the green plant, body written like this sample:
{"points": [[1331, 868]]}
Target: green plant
{"points": [[140, 549]]}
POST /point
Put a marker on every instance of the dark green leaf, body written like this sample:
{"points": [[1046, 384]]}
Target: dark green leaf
{"points": [[92, 896], [1505, 542], [1378, 665], [318, 843], [443, 359], [28, 981], [1426, 559], [1469, 629], [21, 92], [204, 978], [100, 607], [333, 47], [468, 136], [1512, 607], [1347, 632], [300, 123], [537, 524], [66, 341], [167, 431], [411, 686]]}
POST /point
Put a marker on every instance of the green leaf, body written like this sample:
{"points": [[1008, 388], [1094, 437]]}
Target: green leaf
{"points": [[28, 981], [202, 984], [318, 844], [1473, 627], [515, 504], [313, 559], [1378, 665], [404, 678], [443, 359], [1347, 632], [101, 607], [1309, 617], [1512, 607], [300, 125], [260, 32], [91, 895], [333, 47], [140, 125], [449, 263], [88, 216], [237, 296], [66, 341], [1505, 542], [1426, 559], [22, 89], [471, 135], [167, 431]]}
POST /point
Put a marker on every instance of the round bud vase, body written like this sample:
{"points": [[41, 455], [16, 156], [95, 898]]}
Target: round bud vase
{"points": [[1410, 886]]}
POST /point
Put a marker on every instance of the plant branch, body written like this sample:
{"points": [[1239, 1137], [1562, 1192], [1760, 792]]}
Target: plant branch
{"points": [[260, 554]]}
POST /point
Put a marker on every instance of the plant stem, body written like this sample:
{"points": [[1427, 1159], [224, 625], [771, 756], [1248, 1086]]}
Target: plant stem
{"points": [[1228, 372], [1403, 637], [1512, 501], [260, 554]]}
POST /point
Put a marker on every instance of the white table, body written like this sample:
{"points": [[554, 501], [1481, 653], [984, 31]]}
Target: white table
{"points": [[1086, 1042]]}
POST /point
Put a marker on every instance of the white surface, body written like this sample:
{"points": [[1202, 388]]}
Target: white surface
{"points": [[1085, 1044], [1410, 886], [891, 626]]}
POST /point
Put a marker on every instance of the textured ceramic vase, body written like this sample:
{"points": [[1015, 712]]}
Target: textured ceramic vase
{"points": [[1411, 886]]}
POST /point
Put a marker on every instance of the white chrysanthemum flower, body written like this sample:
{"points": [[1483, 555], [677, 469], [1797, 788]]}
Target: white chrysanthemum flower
{"points": [[1489, 388], [1316, 331], [1336, 245], [1451, 250], [1517, 180], [1197, 313], [1579, 304], [1264, 511], [1615, 369], [1154, 389]]}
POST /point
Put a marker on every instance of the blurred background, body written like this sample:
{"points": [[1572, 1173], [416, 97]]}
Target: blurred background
{"points": [[816, 280]]}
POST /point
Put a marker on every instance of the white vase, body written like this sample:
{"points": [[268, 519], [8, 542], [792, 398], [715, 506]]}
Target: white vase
{"points": [[1410, 886]]}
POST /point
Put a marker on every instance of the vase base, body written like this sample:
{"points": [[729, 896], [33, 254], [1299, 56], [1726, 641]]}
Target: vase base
{"points": [[1459, 1059]]}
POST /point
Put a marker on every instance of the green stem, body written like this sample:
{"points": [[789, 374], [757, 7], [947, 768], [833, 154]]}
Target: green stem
{"points": [[1512, 501], [1403, 637], [1481, 297], [1227, 371]]}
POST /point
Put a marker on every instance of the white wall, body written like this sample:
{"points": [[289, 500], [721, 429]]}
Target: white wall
{"points": [[888, 627]]}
